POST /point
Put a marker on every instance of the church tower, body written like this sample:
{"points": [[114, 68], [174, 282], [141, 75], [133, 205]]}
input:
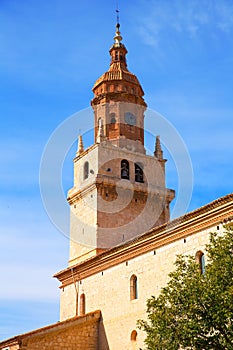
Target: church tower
{"points": [[119, 192]]}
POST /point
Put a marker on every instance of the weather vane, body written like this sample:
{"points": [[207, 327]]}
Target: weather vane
{"points": [[117, 12]]}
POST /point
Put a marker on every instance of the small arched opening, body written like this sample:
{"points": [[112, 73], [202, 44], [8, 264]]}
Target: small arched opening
{"points": [[125, 169], [133, 287], [138, 173], [133, 336], [85, 170], [82, 306], [200, 259]]}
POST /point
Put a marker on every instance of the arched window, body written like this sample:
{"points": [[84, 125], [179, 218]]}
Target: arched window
{"points": [[138, 173], [116, 55], [200, 259], [112, 118], [125, 169], [85, 170], [133, 336], [82, 306], [133, 287]]}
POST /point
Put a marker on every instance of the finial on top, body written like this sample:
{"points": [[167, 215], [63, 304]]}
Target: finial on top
{"points": [[118, 36], [100, 134], [80, 146], [158, 153]]}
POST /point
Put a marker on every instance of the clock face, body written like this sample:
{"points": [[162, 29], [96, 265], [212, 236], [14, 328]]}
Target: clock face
{"points": [[130, 118]]}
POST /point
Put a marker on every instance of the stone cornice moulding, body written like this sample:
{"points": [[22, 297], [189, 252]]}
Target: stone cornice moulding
{"points": [[203, 218]]}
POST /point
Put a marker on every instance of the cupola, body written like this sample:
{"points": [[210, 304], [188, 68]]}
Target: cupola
{"points": [[118, 101]]}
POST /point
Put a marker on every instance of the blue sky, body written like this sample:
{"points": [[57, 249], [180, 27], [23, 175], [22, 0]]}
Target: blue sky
{"points": [[51, 54]]}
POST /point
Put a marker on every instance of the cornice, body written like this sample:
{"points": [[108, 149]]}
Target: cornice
{"points": [[203, 218], [76, 194], [86, 151], [118, 96], [107, 181]]}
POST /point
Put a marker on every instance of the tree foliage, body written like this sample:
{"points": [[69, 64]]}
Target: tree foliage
{"points": [[195, 311]]}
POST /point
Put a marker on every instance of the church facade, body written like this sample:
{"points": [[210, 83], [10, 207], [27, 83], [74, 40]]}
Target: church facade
{"points": [[122, 242]]}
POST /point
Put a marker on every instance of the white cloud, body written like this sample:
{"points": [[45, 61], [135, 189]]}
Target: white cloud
{"points": [[187, 17], [225, 15]]}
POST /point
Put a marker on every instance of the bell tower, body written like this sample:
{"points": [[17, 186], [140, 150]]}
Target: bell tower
{"points": [[119, 192]]}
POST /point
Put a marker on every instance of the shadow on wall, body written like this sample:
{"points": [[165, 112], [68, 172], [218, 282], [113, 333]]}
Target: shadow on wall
{"points": [[103, 341]]}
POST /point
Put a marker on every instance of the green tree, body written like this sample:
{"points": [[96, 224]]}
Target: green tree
{"points": [[195, 310]]}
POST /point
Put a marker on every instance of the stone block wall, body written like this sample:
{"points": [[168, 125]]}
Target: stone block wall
{"points": [[78, 333], [109, 290]]}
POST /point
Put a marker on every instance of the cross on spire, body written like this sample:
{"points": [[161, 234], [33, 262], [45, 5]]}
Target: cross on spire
{"points": [[118, 36], [117, 12]]}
